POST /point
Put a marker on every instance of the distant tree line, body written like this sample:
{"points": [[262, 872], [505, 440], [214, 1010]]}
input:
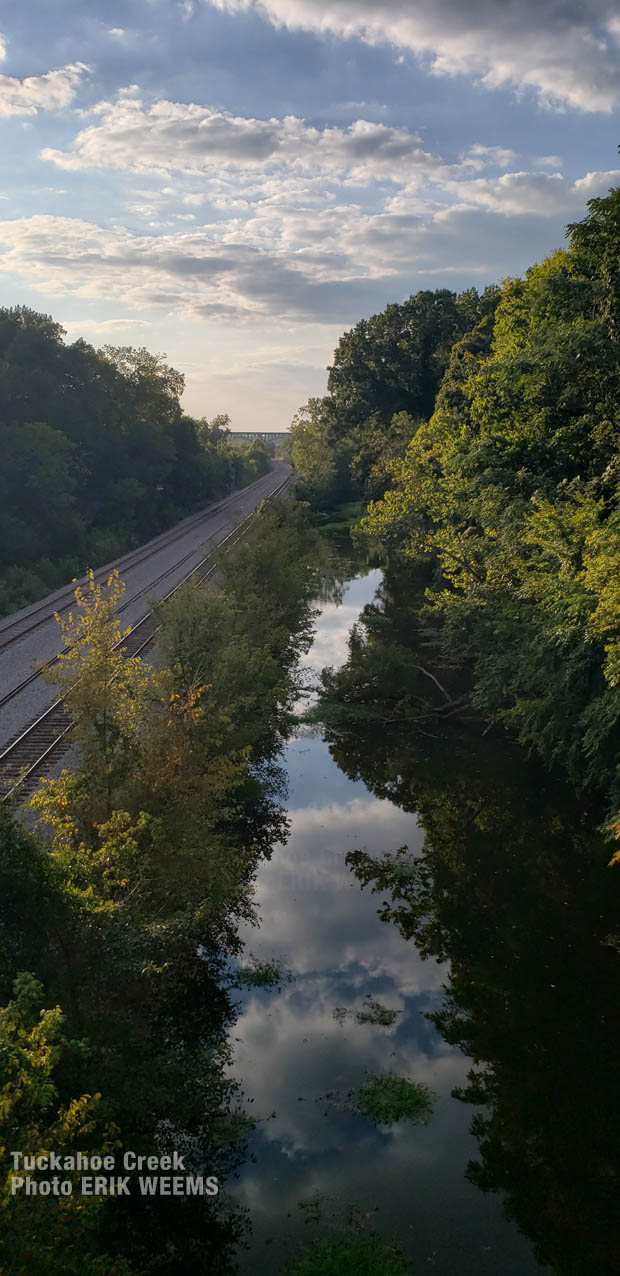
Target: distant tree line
{"points": [[97, 454]]}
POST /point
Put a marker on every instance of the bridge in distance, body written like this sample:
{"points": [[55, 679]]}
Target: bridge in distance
{"points": [[269, 436]]}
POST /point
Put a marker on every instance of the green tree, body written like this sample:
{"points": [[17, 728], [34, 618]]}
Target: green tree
{"points": [[98, 454], [509, 497], [383, 381], [49, 1234]]}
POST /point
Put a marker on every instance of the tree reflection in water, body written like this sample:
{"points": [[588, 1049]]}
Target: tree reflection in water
{"points": [[513, 888]]}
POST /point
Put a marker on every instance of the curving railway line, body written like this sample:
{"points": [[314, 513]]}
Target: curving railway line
{"points": [[43, 740]]}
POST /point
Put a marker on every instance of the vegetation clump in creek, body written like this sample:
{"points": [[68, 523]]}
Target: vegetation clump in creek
{"points": [[359, 1256], [373, 1012], [263, 974], [387, 1098]]}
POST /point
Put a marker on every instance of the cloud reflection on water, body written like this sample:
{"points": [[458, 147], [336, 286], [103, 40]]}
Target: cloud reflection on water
{"points": [[290, 1050]]}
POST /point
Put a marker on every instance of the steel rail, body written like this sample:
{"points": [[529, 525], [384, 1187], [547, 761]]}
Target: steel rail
{"points": [[133, 558], [129, 602]]}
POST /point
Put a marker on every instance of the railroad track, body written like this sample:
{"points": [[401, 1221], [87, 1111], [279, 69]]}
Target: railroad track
{"points": [[147, 589], [46, 738], [13, 629]]}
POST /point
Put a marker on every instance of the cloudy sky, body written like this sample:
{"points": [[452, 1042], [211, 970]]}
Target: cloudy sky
{"points": [[235, 182]]}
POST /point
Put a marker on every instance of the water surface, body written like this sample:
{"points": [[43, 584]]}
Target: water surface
{"points": [[299, 1043]]}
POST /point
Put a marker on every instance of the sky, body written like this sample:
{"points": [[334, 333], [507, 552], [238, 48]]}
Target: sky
{"points": [[234, 183]]}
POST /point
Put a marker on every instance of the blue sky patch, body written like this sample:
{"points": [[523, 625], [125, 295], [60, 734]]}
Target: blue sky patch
{"points": [[235, 182]]}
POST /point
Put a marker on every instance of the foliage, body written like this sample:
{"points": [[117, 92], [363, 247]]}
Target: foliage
{"points": [[98, 454], [381, 386], [135, 807], [32, 1044], [246, 634], [484, 432], [394, 361], [325, 465], [375, 1013], [511, 889], [262, 974], [508, 500], [354, 1256], [387, 1098], [126, 905], [33, 1050], [310, 448]]}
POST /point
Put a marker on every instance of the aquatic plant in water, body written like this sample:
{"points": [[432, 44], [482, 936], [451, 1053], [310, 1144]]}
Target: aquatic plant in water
{"points": [[387, 1098], [263, 974], [356, 1256], [374, 1012]]}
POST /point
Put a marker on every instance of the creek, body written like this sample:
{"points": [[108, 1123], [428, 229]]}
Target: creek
{"points": [[301, 1051]]}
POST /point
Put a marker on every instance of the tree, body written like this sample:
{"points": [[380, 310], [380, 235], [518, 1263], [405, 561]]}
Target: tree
{"points": [[383, 381], [510, 493], [153, 384], [311, 451], [52, 1233], [126, 905], [98, 454]]}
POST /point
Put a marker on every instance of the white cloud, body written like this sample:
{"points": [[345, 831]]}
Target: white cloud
{"points": [[544, 194], [3, 46], [49, 92], [568, 53], [116, 33], [614, 28], [520, 194], [102, 329], [291, 244], [598, 183], [188, 272], [480, 156], [194, 199], [187, 138]]}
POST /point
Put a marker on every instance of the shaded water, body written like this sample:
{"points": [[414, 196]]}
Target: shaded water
{"points": [[311, 1156]]}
